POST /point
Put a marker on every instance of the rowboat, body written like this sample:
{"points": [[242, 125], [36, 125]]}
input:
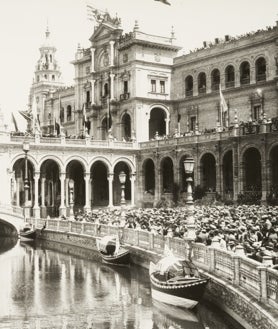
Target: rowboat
{"points": [[177, 282], [27, 233], [112, 252]]}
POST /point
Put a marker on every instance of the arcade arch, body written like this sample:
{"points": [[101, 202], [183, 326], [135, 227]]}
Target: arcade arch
{"points": [[99, 184], [208, 172], [228, 179], [19, 198], [149, 176], [157, 122], [252, 177]]}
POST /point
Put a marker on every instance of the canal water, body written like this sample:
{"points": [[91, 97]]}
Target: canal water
{"points": [[49, 285]]}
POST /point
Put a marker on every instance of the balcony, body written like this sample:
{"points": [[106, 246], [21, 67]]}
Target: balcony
{"points": [[189, 93], [245, 81], [202, 90], [261, 77], [230, 84], [124, 96]]}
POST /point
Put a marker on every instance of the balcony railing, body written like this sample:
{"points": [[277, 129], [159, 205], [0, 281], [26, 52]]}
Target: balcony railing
{"points": [[230, 84], [245, 81], [215, 86], [202, 90], [261, 77], [189, 92]]}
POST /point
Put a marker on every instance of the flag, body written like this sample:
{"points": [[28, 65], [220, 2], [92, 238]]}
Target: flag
{"points": [[15, 123], [57, 127], [26, 115], [86, 121], [164, 1], [223, 106]]}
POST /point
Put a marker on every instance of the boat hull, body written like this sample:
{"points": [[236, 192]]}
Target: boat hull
{"points": [[27, 235], [181, 294], [122, 258]]}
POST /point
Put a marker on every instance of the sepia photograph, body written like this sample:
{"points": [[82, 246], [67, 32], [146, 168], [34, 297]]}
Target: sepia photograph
{"points": [[139, 164]]}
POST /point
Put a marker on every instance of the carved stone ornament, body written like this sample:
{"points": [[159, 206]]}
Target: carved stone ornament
{"points": [[125, 58]]}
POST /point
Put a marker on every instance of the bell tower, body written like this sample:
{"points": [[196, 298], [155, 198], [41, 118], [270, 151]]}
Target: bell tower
{"points": [[47, 79]]}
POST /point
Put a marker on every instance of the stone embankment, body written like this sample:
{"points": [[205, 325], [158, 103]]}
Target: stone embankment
{"points": [[243, 288]]}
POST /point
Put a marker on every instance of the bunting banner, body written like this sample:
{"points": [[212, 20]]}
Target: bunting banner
{"points": [[223, 108]]}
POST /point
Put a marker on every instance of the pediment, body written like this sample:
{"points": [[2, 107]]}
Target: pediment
{"points": [[103, 31]]}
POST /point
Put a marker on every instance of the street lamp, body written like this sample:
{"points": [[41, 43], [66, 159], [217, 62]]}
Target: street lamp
{"points": [[188, 168], [122, 178], [26, 148], [71, 188]]}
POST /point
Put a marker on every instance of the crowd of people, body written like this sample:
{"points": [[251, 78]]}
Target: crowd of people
{"points": [[253, 227]]}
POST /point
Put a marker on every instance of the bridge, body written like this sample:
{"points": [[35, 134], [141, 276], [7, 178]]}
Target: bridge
{"points": [[10, 222]]}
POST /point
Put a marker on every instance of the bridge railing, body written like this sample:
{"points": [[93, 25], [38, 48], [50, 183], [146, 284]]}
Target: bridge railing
{"points": [[256, 278]]}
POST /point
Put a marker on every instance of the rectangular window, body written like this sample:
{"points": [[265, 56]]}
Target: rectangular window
{"points": [[153, 86], [256, 112], [192, 123], [125, 87], [162, 87]]}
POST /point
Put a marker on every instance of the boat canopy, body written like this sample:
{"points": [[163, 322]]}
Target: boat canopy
{"points": [[108, 240], [176, 266]]}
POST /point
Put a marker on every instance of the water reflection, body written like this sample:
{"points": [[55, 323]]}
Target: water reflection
{"points": [[43, 286]]}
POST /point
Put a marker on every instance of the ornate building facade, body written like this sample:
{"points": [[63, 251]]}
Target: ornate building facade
{"points": [[139, 108]]}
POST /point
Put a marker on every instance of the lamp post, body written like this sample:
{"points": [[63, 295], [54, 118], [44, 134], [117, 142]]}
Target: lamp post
{"points": [[71, 202], [122, 178], [188, 168], [26, 148]]}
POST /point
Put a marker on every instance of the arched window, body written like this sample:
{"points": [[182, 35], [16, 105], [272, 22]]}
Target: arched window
{"points": [[215, 79], [260, 69], [53, 77], [126, 127], [38, 78], [245, 73], [202, 83], [189, 86], [45, 76], [230, 76], [105, 90], [50, 58], [69, 113]]}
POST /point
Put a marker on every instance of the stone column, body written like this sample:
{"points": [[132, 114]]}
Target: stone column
{"points": [[93, 91], [112, 86], [264, 180], [237, 77], [235, 172], [18, 178], [167, 122], [93, 59], [111, 52], [36, 208], [43, 208], [67, 191], [87, 189], [219, 181], [157, 194], [110, 182], [62, 209], [132, 179], [252, 74]]}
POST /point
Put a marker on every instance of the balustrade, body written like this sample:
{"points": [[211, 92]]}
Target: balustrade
{"points": [[255, 278]]}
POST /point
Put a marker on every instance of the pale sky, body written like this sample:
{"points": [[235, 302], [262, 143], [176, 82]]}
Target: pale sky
{"points": [[23, 24]]}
